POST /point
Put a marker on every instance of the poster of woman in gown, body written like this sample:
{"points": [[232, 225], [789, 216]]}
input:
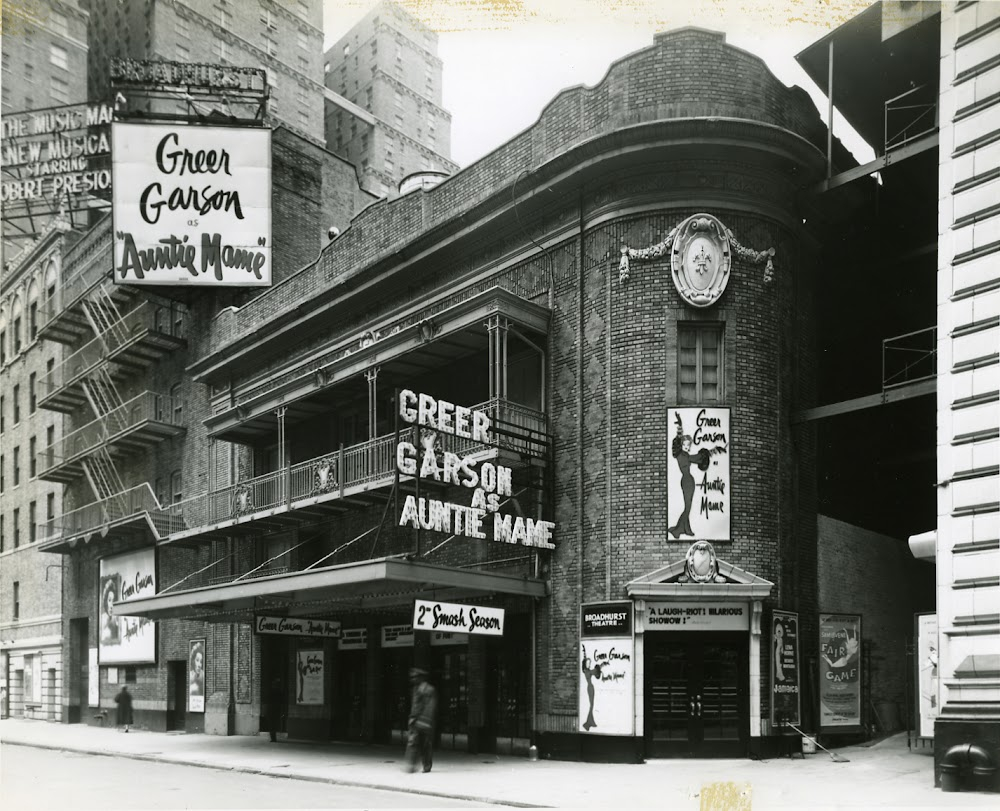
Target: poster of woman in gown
{"points": [[698, 497]]}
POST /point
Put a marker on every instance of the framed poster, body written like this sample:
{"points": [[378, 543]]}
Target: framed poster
{"points": [[93, 679], [698, 481], [309, 683], [785, 684], [122, 639], [928, 699], [607, 669], [840, 672], [196, 676]]}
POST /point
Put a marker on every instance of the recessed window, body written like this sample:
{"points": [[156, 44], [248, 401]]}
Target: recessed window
{"points": [[50, 506], [16, 464], [699, 360], [17, 599], [32, 509], [176, 491], [182, 27], [32, 396], [32, 458], [16, 394], [270, 45], [303, 40], [58, 57], [17, 527]]}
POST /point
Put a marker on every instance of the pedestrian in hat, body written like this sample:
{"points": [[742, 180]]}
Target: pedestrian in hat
{"points": [[123, 715], [423, 709]]}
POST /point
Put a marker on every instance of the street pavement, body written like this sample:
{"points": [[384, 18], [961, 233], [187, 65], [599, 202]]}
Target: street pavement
{"points": [[882, 775]]}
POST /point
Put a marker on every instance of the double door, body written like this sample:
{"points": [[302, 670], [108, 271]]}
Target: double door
{"points": [[697, 694]]}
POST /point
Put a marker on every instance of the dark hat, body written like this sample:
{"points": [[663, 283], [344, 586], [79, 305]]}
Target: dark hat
{"points": [[416, 672]]}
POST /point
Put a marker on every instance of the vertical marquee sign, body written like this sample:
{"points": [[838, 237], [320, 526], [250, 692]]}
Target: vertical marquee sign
{"points": [[840, 672], [191, 205], [698, 480], [607, 669], [786, 706]]}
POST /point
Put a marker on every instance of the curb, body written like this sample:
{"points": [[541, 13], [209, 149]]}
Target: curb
{"points": [[281, 775]]}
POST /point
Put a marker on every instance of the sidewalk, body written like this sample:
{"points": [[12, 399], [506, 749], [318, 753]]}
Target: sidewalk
{"points": [[885, 775]]}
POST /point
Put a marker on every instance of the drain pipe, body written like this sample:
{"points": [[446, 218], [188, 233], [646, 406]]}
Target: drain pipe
{"points": [[964, 757]]}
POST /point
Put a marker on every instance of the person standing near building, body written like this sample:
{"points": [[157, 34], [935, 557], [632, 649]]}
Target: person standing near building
{"points": [[275, 698], [123, 715], [423, 709]]}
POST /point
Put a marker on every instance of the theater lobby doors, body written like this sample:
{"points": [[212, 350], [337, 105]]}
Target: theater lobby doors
{"points": [[696, 694]]}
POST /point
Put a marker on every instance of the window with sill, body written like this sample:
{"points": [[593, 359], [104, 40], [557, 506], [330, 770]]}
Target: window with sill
{"points": [[699, 359]]}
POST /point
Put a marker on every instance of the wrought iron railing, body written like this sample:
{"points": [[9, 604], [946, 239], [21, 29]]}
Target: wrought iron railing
{"points": [[369, 463], [148, 406], [165, 319], [909, 358], [95, 516], [910, 115]]}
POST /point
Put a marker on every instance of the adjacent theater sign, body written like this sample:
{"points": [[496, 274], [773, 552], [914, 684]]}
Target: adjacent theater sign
{"points": [[840, 672], [607, 669], [456, 618], [490, 483], [191, 205], [785, 684], [699, 496], [56, 158], [122, 639]]}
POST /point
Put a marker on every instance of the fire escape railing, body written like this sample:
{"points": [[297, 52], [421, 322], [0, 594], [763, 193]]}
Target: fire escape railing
{"points": [[910, 115], [909, 358]]}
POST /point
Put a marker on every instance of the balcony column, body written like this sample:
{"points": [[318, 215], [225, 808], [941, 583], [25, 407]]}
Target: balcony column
{"points": [[497, 327], [283, 454], [372, 376]]}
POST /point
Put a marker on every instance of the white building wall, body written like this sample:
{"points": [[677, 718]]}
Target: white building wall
{"points": [[968, 404]]}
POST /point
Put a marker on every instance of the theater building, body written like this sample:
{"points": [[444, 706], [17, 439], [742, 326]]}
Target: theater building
{"points": [[531, 428]]}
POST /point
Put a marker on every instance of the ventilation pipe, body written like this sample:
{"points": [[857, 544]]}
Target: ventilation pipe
{"points": [[964, 758]]}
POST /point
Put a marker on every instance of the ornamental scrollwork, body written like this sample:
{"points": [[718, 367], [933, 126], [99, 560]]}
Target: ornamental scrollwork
{"points": [[242, 500], [700, 258], [325, 476]]}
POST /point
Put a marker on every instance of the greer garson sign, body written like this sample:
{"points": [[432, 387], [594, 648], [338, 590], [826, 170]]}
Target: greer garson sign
{"points": [[191, 205], [489, 482]]}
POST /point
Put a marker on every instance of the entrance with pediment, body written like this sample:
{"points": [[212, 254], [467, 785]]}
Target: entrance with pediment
{"points": [[697, 626], [696, 693]]}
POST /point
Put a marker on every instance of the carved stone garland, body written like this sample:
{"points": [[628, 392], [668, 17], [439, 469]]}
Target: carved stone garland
{"points": [[704, 223]]}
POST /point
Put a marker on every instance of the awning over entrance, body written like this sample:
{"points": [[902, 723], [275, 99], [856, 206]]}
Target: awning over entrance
{"points": [[368, 585]]}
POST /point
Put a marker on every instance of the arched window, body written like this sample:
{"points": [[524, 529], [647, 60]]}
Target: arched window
{"points": [[51, 281], [34, 296]]}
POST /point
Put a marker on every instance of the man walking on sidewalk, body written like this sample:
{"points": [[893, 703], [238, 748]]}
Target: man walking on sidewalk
{"points": [[423, 707]]}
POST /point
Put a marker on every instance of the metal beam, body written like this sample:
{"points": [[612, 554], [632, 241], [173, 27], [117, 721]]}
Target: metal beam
{"points": [[888, 159], [906, 391]]}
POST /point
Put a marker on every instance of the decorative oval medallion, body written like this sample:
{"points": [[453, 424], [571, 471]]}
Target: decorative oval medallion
{"points": [[700, 260], [701, 565]]}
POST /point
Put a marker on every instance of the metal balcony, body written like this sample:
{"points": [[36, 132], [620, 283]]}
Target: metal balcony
{"points": [[910, 116], [109, 518], [330, 482], [143, 336], [143, 421]]}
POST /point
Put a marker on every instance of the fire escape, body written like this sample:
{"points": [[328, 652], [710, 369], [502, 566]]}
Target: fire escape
{"points": [[113, 336]]}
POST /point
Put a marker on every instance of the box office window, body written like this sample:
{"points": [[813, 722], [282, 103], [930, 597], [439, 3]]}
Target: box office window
{"points": [[699, 357]]}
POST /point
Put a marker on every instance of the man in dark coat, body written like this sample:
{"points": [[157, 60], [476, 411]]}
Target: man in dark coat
{"points": [[275, 699], [123, 715], [423, 709]]}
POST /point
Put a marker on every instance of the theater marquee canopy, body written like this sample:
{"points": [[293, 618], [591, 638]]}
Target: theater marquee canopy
{"points": [[367, 585]]}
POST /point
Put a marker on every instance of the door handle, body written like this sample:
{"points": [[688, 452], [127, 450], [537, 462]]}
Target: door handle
{"points": [[692, 711], [698, 701]]}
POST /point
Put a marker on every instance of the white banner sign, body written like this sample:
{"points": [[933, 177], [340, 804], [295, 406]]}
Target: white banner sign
{"points": [[397, 636], [353, 639], [698, 482], [191, 205], [297, 626], [697, 617], [124, 639], [464, 619], [607, 679], [309, 666]]}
